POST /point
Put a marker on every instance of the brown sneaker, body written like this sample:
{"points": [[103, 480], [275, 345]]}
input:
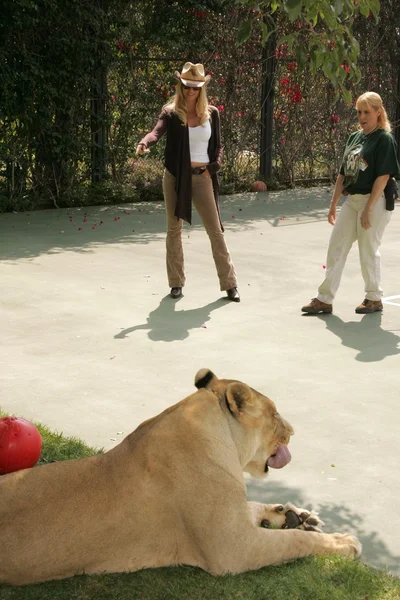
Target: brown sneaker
{"points": [[316, 306], [369, 306]]}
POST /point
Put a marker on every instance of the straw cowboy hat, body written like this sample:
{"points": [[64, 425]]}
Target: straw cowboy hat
{"points": [[193, 75]]}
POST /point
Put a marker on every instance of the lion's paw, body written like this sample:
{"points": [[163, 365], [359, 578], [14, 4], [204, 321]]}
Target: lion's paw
{"points": [[288, 516], [347, 545]]}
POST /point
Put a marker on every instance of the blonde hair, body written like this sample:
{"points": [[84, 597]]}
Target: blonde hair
{"points": [[373, 100], [178, 104]]}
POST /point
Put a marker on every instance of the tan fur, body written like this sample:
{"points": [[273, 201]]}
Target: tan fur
{"points": [[171, 493]]}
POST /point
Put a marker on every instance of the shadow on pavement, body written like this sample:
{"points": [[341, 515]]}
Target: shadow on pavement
{"points": [[165, 324], [281, 208], [367, 336], [337, 518], [51, 231]]}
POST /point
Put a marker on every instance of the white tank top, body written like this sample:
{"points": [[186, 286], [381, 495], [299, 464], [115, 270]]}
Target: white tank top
{"points": [[198, 142]]}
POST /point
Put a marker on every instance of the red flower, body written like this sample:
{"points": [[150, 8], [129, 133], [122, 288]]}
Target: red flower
{"points": [[295, 95], [221, 108], [285, 81]]}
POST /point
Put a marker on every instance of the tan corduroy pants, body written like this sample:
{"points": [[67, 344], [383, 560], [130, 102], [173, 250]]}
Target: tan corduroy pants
{"points": [[204, 202]]}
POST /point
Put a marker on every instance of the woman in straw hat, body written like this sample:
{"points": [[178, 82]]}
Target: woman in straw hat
{"points": [[193, 156], [366, 178]]}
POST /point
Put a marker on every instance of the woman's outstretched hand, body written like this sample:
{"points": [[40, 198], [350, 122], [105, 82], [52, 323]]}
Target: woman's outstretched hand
{"points": [[141, 149]]}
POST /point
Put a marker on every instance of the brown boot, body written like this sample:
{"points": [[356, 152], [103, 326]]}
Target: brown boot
{"points": [[316, 306], [369, 306]]}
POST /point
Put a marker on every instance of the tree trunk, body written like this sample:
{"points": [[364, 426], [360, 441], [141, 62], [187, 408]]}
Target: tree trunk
{"points": [[267, 106], [98, 125]]}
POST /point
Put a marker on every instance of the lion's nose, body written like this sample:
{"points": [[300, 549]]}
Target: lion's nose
{"points": [[287, 433]]}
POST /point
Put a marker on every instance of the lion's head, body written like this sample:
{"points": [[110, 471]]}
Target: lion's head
{"points": [[260, 433]]}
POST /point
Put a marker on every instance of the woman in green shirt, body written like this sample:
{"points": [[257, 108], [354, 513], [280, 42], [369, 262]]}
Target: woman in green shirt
{"points": [[369, 163]]}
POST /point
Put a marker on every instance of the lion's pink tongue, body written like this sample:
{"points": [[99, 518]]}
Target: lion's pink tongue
{"points": [[281, 458]]}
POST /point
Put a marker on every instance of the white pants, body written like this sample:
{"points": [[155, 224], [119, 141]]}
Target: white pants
{"points": [[346, 231]]}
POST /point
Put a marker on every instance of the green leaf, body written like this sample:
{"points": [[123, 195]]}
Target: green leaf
{"points": [[293, 8], [363, 7], [288, 39], [346, 94], [330, 18], [265, 32], [375, 7], [244, 32], [301, 56], [338, 7], [274, 7]]}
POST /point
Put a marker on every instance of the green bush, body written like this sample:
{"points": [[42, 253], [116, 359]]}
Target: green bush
{"points": [[82, 81], [145, 177], [97, 194]]}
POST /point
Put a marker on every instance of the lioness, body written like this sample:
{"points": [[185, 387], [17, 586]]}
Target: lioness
{"points": [[170, 493]]}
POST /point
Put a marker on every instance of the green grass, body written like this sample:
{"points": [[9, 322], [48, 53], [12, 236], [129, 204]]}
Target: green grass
{"points": [[330, 578], [57, 447]]}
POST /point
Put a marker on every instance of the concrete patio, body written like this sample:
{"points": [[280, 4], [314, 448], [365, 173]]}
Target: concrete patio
{"points": [[92, 344]]}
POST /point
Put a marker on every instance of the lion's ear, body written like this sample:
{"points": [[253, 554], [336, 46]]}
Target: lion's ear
{"points": [[243, 402], [204, 379]]}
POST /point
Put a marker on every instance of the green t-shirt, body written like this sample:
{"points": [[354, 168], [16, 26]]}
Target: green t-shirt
{"points": [[366, 157]]}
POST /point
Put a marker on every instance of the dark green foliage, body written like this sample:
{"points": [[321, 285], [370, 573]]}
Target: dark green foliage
{"points": [[82, 80], [48, 55]]}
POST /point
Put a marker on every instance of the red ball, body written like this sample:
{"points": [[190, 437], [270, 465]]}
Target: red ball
{"points": [[259, 186], [20, 444]]}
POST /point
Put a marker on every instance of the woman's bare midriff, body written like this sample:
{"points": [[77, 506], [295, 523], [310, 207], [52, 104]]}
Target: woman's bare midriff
{"points": [[199, 164]]}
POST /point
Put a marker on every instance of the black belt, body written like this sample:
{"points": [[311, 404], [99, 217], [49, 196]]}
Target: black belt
{"points": [[198, 170]]}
